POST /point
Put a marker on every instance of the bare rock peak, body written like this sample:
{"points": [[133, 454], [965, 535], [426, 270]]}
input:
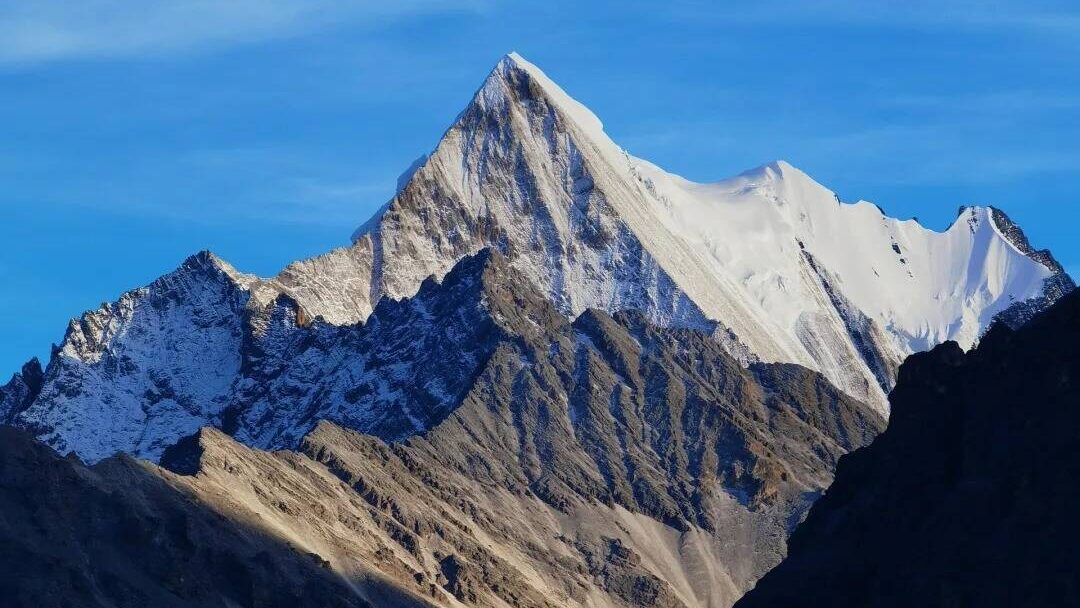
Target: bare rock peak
{"points": [[206, 261], [21, 390], [1015, 235], [185, 456]]}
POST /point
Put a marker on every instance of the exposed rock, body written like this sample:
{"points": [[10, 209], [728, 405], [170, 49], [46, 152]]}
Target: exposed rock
{"points": [[21, 390], [1056, 286]]}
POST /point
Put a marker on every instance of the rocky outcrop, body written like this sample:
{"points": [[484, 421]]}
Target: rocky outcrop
{"points": [[1055, 286], [396, 375], [21, 390], [968, 498]]}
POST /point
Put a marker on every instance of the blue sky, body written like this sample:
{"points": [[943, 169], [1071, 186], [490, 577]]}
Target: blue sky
{"points": [[135, 133]]}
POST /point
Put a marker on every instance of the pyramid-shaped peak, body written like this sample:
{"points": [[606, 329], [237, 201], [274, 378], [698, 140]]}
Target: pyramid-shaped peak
{"points": [[207, 263], [516, 60], [188, 455], [513, 96], [204, 259], [505, 81]]}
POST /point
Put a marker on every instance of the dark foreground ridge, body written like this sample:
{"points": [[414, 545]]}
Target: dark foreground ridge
{"points": [[118, 534], [969, 498]]}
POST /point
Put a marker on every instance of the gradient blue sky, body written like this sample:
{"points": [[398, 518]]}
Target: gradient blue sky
{"points": [[135, 133]]}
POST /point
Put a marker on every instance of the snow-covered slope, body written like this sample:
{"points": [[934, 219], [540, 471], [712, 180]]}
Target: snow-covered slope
{"points": [[788, 271], [137, 375]]}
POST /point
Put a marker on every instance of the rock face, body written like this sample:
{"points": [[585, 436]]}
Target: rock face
{"points": [[969, 498], [21, 390], [396, 375]]}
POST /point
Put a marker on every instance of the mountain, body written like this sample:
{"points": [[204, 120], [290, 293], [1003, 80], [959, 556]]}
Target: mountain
{"points": [[544, 373], [137, 375], [21, 390], [968, 498], [601, 461], [397, 375], [769, 262]]}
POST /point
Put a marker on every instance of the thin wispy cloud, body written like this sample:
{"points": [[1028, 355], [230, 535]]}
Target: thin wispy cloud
{"points": [[288, 201], [997, 102], [273, 185], [48, 30], [1061, 17], [933, 152], [265, 186]]}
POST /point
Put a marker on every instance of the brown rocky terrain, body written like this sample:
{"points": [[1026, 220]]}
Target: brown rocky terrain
{"points": [[602, 461], [126, 534]]}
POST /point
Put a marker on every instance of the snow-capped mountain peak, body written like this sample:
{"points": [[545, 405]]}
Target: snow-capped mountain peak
{"points": [[770, 259], [137, 374], [770, 262], [570, 108], [89, 336]]}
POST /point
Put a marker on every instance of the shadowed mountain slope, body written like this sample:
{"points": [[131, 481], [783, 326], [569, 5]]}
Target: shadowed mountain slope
{"points": [[124, 533], [969, 498]]}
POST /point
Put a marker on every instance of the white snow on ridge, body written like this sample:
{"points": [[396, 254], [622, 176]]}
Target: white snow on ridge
{"points": [[933, 286], [137, 375], [582, 116], [772, 254]]}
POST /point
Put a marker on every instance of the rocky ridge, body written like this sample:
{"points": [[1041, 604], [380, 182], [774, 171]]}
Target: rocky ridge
{"points": [[599, 461]]}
